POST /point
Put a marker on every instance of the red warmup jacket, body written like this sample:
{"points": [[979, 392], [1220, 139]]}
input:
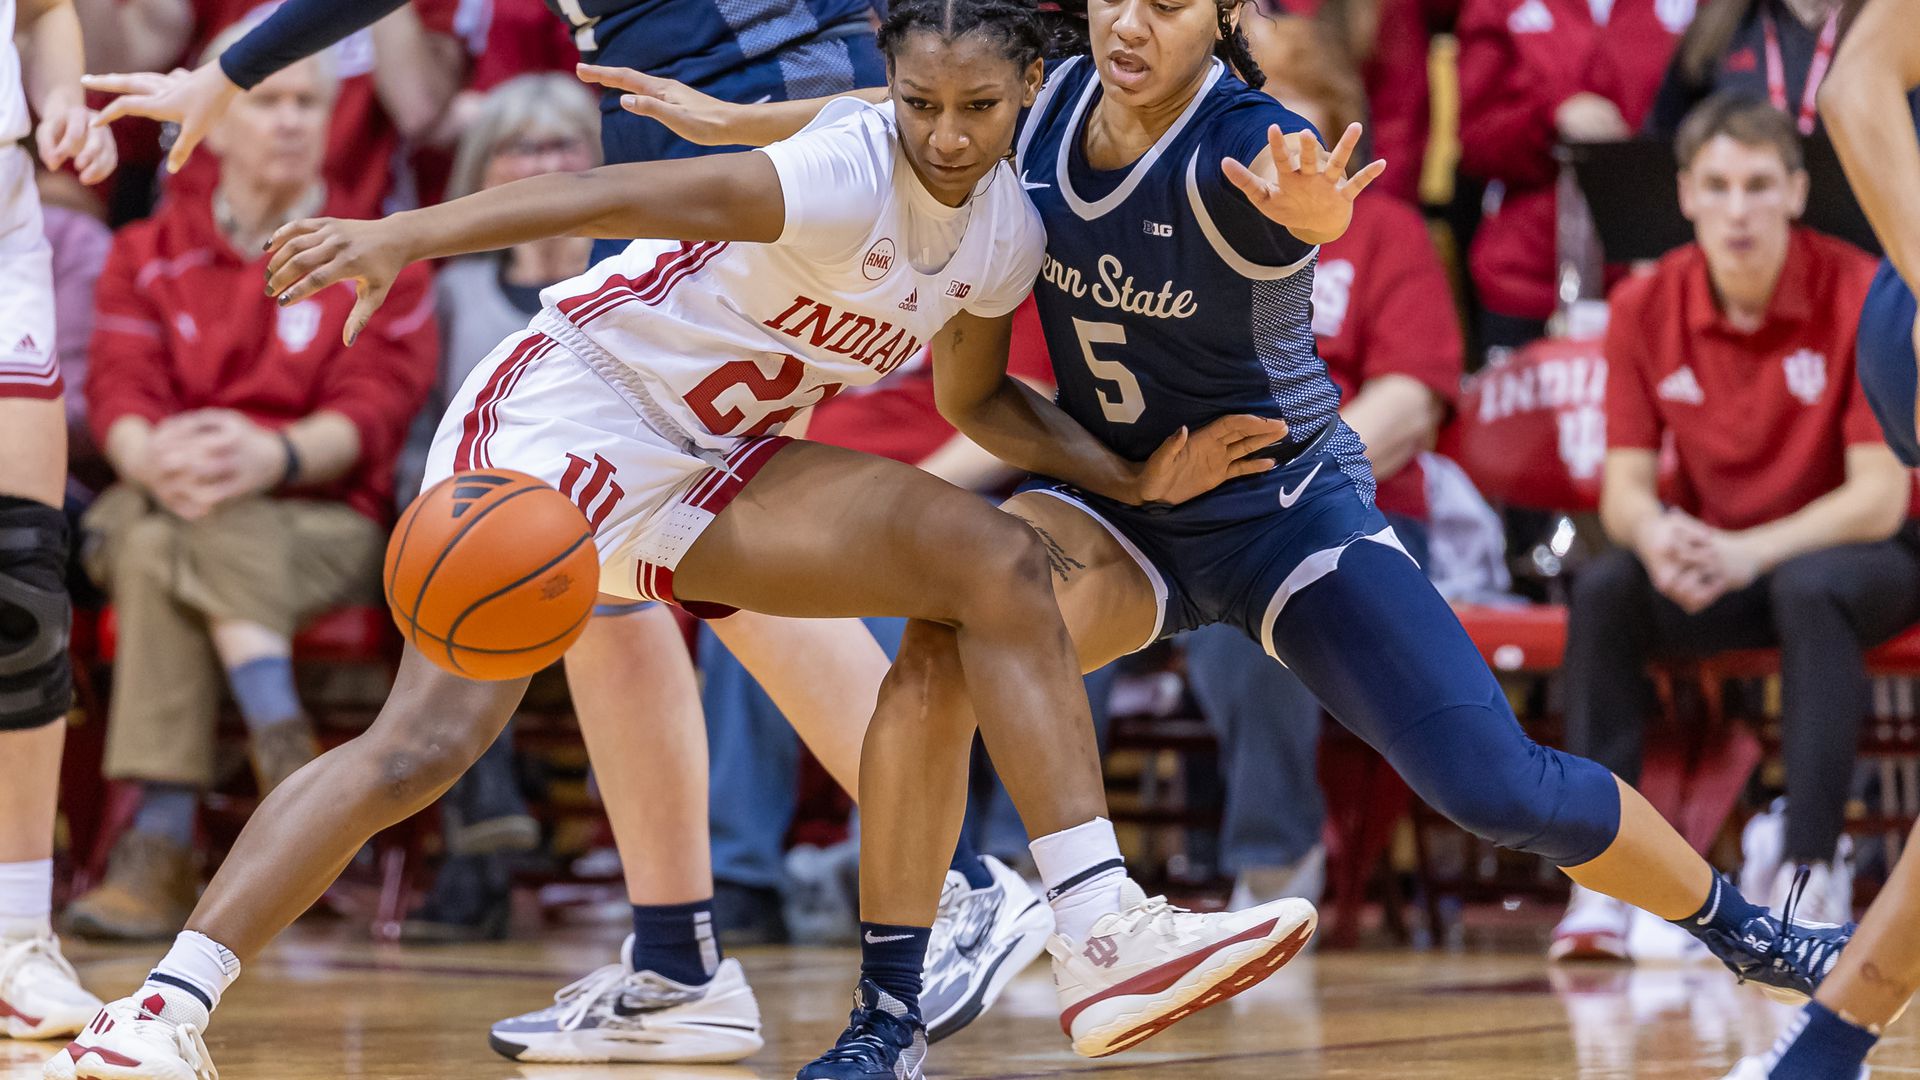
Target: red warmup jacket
{"points": [[1399, 97], [1519, 59], [182, 321]]}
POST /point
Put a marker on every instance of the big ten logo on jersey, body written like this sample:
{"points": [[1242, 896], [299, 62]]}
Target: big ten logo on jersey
{"points": [[1573, 387], [1332, 291], [599, 493], [1114, 289], [878, 259], [865, 340]]}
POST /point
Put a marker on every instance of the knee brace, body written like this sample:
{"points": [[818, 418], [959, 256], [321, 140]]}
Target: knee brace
{"points": [[36, 683], [1474, 764]]}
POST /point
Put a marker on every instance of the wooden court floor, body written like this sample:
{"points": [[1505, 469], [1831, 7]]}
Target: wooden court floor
{"points": [[326, 1003]]}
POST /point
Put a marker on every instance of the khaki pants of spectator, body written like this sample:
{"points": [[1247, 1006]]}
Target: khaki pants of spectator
{"points": [[275, 562]]}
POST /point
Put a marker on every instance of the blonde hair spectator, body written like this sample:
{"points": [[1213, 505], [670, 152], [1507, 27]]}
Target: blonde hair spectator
{"points": [[526, 109]]}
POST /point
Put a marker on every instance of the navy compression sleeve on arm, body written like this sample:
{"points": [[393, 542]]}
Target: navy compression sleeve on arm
{"points": [[296, 31]]}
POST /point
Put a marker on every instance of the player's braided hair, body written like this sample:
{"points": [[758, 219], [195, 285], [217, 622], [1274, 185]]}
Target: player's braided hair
{"points": [[1233, 47], [1066, 22], [1012, 24]]}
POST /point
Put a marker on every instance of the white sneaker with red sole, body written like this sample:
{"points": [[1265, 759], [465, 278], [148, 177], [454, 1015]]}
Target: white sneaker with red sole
{"points": [[1595, 927], [40, 996], [1149, 965], [127, 1041]]}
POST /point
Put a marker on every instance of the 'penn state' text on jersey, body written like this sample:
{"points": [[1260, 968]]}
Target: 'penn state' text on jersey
{"points": [[1154, 317]]}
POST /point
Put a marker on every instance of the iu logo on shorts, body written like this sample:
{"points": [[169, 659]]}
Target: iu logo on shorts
{"points": [[595, 498], [1102, 951]]}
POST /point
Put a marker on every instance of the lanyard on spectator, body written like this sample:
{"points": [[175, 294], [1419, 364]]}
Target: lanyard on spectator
{"points": [[1816, 71]]}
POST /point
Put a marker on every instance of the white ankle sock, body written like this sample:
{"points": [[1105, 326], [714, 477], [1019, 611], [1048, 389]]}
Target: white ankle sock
{"points": [[190, 979], [1082, 869], [26, 891]]}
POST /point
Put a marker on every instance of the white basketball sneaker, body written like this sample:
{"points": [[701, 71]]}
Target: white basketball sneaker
{"points": [[40, 996], [618, 1014], [981, 939], [128, 1041], [1759, 1068], [1595, 927], [1149, 965]]}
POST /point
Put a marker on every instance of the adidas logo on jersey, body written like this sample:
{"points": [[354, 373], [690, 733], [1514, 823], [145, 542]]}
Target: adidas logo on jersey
{"points": [[1531, 17], [26, 344], [912, 302], [1681, 387]]}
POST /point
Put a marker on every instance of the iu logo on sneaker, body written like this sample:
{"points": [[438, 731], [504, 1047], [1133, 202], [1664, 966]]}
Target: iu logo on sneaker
{"points": [[1101, 951]]}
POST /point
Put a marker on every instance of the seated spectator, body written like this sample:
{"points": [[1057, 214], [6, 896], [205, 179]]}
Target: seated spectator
{"points": [[396, 80], [1765, 49], [526, 126], [1791, 528], [254, 457], [1534, 73], [1384, 322]]}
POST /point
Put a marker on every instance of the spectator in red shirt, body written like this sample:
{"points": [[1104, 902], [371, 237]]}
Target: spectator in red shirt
{"points": [[1791, 531], [1534, 73], [254, 459], [1384, 322], [397, 80]]}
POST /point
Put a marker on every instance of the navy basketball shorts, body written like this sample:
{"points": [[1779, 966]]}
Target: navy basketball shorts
{"points": [[1886, 360], [1300, 560]]}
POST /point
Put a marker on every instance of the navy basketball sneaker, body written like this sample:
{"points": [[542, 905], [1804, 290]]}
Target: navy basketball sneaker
{"points": [[884, 1040], [1786, 959], [982, 938]]}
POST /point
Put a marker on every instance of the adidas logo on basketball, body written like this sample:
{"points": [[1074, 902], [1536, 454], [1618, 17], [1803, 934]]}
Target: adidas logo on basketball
{"points": [[474, 488]]}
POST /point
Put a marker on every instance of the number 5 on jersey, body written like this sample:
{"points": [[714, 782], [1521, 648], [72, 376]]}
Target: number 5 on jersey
{"points": [[1126, 406]]}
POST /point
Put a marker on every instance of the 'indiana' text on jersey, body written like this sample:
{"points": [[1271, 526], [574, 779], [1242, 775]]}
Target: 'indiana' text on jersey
{"points": [[862, 338], [1155, 318]]}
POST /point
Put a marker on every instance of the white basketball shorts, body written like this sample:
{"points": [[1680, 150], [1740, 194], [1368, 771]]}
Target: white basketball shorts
{"points": [[537, 406]]}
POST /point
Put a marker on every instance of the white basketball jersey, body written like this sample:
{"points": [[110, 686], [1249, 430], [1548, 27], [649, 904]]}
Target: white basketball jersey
{"points": [[734, 339], [14, 124]]}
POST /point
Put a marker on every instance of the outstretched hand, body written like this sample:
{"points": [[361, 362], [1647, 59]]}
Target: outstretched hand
{"points": [[1191, 464], [195, 100], [1303, 186], [696, 117], [313, 253]]}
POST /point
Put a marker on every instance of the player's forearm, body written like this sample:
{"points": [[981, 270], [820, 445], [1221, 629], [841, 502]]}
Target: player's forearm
{"points": [[696, 199], [1031, 433], [768, 122], [296, 30], [1864, 102], [54, 59], [1866, 509]]}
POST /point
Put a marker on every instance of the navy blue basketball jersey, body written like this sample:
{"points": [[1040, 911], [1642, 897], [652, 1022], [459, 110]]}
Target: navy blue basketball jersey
{"points": [[1166, 298], [696, 40]]}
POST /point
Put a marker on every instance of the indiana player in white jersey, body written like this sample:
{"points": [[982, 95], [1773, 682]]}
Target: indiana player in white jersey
{"points": [[39, 995], [653, 389]]}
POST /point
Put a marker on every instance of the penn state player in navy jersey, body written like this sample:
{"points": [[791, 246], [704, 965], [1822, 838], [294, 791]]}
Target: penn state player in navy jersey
{"points": [[1165, 302], [1864, 102]]}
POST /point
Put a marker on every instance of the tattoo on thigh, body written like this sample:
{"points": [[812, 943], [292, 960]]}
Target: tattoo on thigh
{"points": [[1062, 563]]}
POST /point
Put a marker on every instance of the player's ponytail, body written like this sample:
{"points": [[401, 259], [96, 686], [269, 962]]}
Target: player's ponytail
{"points": [[1066, 26], [1233, 48], [1012, 24]]}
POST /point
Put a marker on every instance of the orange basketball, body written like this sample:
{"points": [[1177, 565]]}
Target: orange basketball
{"points": [[492, 574]]}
